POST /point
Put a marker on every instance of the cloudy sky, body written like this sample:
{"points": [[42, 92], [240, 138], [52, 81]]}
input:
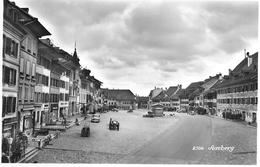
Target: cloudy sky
{"points": [[138, 45]]}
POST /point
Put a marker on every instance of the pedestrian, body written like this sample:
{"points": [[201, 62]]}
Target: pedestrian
{"points": [[5, 158]]}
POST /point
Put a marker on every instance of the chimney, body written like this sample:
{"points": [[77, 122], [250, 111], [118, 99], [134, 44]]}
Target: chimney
{"points": [[249, 59], [25, 9], [229, 71]]}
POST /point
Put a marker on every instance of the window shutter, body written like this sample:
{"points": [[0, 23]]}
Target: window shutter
{"points": [[3, 74], [14, 75], [4, 45], [8, 46], [28, 67], [21, 65], [7, 75], [33, 69], [16, 50], [9, 104], [3, 106], [14, 104]]}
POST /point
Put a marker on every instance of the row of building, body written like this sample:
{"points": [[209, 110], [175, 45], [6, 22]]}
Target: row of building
{"points": [[41, 83], [235, 93]]}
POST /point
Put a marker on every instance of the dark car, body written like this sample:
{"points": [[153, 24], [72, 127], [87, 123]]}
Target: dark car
{"points": [[131, 110], [149, 115], [113, 124], [85, 131], [95, 118]]}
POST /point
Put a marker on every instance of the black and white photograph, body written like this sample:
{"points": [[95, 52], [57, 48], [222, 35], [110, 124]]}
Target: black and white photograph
{"points": [[129, 82]]}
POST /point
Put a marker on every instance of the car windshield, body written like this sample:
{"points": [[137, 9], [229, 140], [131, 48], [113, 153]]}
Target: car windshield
{"points": [[96, 115]]}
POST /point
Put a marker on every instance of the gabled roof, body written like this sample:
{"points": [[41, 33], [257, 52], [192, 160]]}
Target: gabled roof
{"points": [[195, 93], [242, 73], [171, 90], [118, 94], [192, 87], [161, 96], [26, 20], [183, 94], [155, 92], [177, 94], [142, 98], [243, 65]]}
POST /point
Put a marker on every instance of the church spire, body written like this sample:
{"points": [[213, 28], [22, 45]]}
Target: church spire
{"points": [[75, 55]]}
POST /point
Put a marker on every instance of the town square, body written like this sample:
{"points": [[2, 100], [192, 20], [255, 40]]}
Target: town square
{"points": [[130, 82]]}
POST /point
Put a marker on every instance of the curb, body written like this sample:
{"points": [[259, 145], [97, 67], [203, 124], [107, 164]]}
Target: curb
{"points": [[36, 150], [230, 120]]}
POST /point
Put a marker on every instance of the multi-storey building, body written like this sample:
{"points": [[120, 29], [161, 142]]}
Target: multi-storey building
{"points": [[95, 93], [12, 36], [204, 96], [85, 95], [121, 98], [166, 97], [64, 95], [142, 101], [237, 93], [32, 30], [176, 99], [42, 88]]}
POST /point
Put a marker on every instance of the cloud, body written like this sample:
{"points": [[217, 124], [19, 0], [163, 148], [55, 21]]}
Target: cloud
{"points": [[149, 42]]}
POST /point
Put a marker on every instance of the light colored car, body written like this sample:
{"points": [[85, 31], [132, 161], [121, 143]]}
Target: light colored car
{"points": [[114, 110], [95, 118]]}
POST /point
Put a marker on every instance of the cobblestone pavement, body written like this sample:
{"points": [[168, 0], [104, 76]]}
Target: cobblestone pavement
{"points": [[136, 132], [104, 145], [240, 136]]}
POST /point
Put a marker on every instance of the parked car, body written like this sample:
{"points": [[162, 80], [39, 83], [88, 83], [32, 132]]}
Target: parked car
{"points": [[85, 131], [113, 124], [114, 110], [192, 113], [149, 115], [95, 118], [131, 110]]}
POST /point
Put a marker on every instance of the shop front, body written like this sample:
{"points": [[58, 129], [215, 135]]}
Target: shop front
{"points": [[53, 114], [27, 123], [9, 127], [63, 109]]}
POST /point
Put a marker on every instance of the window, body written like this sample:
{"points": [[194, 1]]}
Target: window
{"points": [[38, 116], [10, 47], [20, 92], [4, 45], [26, 90], [9, 76], [29, 45], [61, 97], [29, 93], [9, 105], [32, 93], [14, 49], [28, 67], [33, 69], [22, 65]]}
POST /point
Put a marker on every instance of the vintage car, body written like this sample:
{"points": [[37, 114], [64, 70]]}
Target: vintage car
{"points": [[149, 115], [95, 118], [85, 131], [114, 110], [113, 124], [131, 110]]}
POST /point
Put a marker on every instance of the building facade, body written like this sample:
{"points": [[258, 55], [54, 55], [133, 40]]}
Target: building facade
{"points": [[122, 99], [12, 36], [237, 93], [32, 30]]}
